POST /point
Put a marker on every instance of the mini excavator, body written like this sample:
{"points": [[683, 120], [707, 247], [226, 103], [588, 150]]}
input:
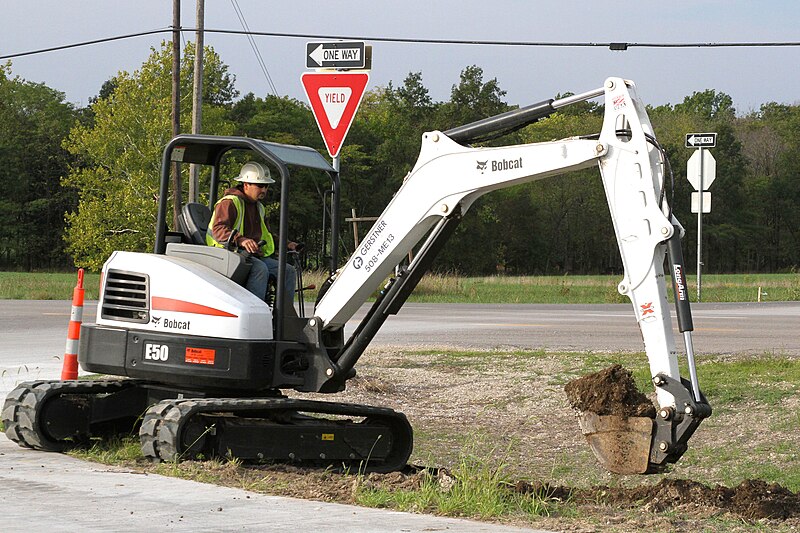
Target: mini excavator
{"points": [[199, 364]]}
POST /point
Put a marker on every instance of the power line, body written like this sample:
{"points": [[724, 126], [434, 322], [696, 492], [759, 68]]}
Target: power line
{"points": [[573, 44], [621, 45], [85, 43], [249, 34]]}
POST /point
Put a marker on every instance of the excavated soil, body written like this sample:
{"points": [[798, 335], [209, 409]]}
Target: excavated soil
{"points": [[610, 391], [511, 410]]}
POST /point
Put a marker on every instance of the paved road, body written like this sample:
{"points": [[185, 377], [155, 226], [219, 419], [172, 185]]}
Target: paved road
{"points": [[719, 328], [33, 333]]}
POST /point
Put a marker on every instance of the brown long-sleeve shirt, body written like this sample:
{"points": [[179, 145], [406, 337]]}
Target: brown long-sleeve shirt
{"points": [[225, 217]]}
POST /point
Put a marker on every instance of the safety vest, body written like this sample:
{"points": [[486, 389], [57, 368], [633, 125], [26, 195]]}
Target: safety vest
{"points": [[268, 248]]}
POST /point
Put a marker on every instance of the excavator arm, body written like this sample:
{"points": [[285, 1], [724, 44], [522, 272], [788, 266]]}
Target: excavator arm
{"points": [[449, 176]]}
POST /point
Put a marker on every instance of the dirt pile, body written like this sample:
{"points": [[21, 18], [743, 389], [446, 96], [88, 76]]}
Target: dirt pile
{"points": [[751, 499], [610, 391]]}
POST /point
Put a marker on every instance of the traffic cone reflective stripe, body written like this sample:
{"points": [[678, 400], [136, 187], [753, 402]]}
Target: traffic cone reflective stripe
{"points": [[69, 369]]}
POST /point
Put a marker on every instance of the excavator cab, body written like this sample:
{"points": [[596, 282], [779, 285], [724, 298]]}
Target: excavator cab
{"points": [[193, 217]]}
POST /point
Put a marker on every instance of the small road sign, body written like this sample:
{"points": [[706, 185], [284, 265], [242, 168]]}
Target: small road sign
{"points": [[701, 140], [696, 202], [334, 99], [337, 54], [709, 169]]}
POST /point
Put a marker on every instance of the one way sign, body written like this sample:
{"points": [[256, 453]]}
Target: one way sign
{"points": [[701, 140], [337, 54]]}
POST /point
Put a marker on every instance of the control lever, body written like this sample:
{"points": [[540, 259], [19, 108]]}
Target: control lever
{"points": [[231, 240]]}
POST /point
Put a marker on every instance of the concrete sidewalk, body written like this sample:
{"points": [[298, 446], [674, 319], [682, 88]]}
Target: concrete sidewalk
{"points": [[57, 493]]}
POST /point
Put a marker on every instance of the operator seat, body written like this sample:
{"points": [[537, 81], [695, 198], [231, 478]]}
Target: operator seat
{"points": [[194, 220]]}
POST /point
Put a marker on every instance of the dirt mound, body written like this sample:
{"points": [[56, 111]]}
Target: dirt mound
{"points": [[751, 499], [610, 391]]}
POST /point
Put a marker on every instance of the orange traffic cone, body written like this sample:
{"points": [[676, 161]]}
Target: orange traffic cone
{"points": [[69, 369]]}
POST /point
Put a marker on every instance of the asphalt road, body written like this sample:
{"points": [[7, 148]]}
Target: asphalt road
{"points": [[54, 492], [34, 332], [718, 328]]}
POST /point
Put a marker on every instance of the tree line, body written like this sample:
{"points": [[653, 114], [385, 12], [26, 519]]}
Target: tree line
{"points": [[83, 182]]}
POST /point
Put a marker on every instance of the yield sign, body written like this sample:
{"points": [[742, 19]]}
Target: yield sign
{"points": [[334, 99]]}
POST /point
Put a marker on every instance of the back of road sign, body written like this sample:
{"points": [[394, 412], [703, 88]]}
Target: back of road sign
{"points": [[334, 99], [708, 169]]}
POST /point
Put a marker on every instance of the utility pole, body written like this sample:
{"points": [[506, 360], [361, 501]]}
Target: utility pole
{"points": [[176, 109], [197, 96]]}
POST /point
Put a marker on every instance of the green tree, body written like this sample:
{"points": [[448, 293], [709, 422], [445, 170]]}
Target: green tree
{"points": [[476, 245], [34, 121], [708, 105], [771, 147], [120, 153], [472, 99]]}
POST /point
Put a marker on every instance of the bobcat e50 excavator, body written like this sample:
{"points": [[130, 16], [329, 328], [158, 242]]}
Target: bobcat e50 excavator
{"points": [[202, 362]]}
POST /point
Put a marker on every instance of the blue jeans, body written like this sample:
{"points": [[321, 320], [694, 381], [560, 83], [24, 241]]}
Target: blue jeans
{"points": [[262, 268]]}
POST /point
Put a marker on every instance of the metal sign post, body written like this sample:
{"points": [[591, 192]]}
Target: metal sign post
{"points": [[701, 171], [700, 227]]}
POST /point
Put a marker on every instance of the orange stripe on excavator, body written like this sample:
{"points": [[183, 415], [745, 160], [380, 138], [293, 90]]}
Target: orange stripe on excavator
{"points": [[168, 304]]}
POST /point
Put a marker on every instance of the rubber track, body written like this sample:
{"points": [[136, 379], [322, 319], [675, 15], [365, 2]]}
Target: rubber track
{"points": [[163, 422], [23, 405]]}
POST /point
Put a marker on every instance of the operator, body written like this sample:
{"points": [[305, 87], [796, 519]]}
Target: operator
{"points": [[241, 209]]}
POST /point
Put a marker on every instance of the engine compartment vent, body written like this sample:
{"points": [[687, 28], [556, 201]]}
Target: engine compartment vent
{"points": [[126, 296]]}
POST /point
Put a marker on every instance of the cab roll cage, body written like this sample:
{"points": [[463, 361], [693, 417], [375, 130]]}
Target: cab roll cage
{"points": [[209, 150]]}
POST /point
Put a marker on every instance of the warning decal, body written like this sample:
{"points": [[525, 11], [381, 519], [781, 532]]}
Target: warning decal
{"points": [[200, 356]]}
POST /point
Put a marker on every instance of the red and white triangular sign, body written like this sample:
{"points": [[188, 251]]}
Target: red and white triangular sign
{"points": [[334, 98]]}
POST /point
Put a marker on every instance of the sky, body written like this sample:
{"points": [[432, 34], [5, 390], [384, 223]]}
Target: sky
{"points": [[751, 76]]}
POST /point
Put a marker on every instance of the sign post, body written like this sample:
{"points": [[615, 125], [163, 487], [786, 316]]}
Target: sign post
{"points": [[701, 170]]}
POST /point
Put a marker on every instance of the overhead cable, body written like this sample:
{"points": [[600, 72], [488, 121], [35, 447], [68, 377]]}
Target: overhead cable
{"points": [[619, 45], [253, 45]]}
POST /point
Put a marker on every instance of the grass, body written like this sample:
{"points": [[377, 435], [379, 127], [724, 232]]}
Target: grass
{"points": [[46, 285], [437, 288], [445, 288], [477, 488]]}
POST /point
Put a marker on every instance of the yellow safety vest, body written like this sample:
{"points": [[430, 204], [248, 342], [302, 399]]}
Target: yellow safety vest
{"points": [[268, 248]]}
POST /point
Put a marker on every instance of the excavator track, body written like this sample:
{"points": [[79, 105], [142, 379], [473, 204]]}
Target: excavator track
{"points": [[57, 415], [278, 429]]}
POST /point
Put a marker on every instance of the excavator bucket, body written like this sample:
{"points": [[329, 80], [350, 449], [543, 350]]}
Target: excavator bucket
{"points": [[621, 444]]}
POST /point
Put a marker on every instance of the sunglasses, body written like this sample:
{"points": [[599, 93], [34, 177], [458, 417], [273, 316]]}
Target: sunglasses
{"points": [[260, 185]]}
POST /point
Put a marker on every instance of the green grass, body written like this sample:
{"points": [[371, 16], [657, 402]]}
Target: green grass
{"points": [[113, 451], [438, 288], [477, 488], [767, 380], [46, 285]]}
